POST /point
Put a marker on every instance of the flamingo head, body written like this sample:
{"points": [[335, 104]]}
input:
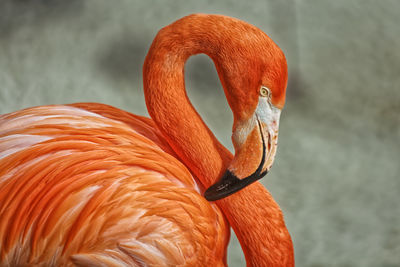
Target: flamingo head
{"points": [[254, 79]]}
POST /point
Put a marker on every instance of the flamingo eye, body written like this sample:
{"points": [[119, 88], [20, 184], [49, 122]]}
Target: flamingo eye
{"points": [[265, 92]]}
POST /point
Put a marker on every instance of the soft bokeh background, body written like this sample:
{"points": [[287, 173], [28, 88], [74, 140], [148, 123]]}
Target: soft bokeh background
{"points": [[337, 170]]}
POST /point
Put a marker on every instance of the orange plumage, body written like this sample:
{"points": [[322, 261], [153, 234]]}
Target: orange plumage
{"points": [[76, 183], [91, 185]]}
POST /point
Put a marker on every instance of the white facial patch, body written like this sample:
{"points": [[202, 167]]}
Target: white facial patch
{"points": [[267, 117], [268, 114]]}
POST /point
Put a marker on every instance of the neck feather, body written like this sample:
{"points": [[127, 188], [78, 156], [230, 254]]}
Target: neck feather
{"points": [[254, 215], [259, 225]]}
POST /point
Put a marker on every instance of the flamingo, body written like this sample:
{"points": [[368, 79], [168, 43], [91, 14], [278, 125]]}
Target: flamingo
{"points": [[88, 184]]}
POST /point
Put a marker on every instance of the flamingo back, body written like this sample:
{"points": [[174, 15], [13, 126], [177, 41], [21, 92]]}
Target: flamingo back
{"points": [[92, 185]]}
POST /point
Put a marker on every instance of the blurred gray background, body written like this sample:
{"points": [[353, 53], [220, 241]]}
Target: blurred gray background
{"points": [[336, 174]]}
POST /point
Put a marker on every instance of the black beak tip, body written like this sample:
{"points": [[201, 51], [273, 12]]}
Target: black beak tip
{"points": [[212, 193], [223, 188], [229, 184]]}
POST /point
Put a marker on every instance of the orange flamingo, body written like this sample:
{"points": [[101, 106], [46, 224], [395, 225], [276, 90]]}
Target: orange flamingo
{"points": [[90, 185]]}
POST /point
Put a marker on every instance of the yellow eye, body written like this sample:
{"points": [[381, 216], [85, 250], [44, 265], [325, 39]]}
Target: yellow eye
{"points": [[264, 91]]}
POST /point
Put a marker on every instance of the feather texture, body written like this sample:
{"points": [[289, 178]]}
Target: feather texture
{"points": [[99, 189]]}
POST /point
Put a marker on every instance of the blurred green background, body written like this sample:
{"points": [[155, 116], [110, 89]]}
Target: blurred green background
{"points": [[336, 174]]}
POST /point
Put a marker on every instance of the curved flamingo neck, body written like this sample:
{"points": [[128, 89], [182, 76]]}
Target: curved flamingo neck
{"points": [[254, 215], [169, 106]]}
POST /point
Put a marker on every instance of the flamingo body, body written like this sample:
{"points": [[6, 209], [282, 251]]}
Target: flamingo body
{"points": [[89, 184]]}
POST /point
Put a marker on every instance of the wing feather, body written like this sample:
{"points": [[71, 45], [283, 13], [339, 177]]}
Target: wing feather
{"points": [[91, 185]]}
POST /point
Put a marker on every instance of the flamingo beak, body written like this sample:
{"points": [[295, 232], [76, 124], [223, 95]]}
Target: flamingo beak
{"points": [[255, 142]]}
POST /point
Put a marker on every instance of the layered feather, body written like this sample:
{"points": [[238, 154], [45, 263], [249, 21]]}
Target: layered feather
{"points": [[91, 185]]}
